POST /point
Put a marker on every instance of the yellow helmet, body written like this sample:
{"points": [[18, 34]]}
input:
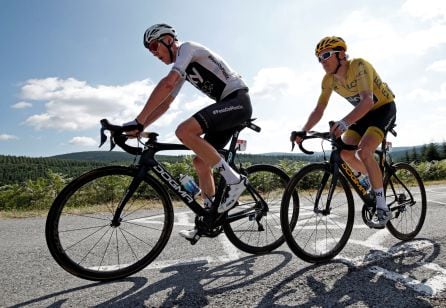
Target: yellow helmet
{"points": [[332, 42]]}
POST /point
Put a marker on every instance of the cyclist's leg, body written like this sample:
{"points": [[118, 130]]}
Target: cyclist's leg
{"points": [[218, 122], [205, 179], [366, 150], [352, 137], [189, 132]]}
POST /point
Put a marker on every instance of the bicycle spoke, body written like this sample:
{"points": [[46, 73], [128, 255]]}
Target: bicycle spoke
{"points": [[325, 219], [406, 190], [83, 237]]}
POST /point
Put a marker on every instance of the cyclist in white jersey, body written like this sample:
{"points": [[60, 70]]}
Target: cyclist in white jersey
{"points": [[209, 73]]}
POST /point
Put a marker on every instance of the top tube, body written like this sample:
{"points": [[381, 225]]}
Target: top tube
{"points": [[119, 138]]}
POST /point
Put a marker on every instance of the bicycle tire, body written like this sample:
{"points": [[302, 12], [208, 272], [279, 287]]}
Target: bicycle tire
{"points": [[246, 234], [305, 238], [78, 228], [405, 189]]}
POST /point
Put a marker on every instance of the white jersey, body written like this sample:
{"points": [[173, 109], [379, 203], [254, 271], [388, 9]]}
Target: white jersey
{"points": [[206, 70]]}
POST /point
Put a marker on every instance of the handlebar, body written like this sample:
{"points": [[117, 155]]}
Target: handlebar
{"points": [[336, 142], [117, 137]]}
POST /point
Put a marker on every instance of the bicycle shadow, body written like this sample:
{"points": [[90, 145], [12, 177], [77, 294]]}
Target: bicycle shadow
{"points": [[138, 283], [189, 284], [360, 285]]}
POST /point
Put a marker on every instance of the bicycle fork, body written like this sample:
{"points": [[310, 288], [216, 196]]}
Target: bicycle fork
{"points": [[325, 210], [127, 195]]}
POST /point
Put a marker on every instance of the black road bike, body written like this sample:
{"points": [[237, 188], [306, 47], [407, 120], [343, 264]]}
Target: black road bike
{"points": [[113, 221], [325, 205]]}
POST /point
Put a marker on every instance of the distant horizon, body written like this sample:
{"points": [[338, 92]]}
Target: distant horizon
{"points": [[399, 148]]}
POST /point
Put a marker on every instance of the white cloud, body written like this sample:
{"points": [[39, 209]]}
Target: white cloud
{"points": [[381, 37], [437, 66], [75, 105], [271, 83], [427, 9], [6, 137], [22, 105], [83, 141], [422, 95]]}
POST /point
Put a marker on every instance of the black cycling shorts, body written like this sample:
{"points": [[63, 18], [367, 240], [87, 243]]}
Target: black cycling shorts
{"points": [[218, 121], [380, 119]]}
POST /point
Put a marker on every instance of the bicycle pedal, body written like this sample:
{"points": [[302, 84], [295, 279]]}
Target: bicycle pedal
{"points": [[194, 240]]}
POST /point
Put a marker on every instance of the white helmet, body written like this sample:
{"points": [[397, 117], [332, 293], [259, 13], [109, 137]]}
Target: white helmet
{"points": [[156, 31]]}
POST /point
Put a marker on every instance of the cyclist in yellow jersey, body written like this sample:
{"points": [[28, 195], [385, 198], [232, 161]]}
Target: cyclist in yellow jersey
{"points": [[374, 111]]}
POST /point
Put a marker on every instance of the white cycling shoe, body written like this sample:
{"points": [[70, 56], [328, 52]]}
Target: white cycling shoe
{"points": [[189, 234], [233, 192]]}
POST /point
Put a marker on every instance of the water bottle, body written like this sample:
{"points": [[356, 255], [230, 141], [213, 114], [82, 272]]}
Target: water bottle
{"points": [[190, 185], [364, 181]]}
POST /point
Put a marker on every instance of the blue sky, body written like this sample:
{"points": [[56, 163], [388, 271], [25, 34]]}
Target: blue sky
{"points": [[67, 64]]}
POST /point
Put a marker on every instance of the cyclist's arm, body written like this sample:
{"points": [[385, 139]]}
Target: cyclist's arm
{"points": [[315, 116], [160, 98], [318, 112], [365, 104]]}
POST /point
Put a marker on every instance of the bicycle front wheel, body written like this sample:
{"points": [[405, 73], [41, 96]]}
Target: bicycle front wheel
{"points": [[83, 238], [407, 196], [323, 224], [258, 229]]}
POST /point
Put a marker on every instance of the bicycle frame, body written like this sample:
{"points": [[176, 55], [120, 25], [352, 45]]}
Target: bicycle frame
{"points": [[339, 165], [147, 162]]}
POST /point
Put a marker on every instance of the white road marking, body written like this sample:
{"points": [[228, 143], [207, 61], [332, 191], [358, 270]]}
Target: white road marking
{"points": [[414, 284], [439, 202], [183, 219], [232, 253], [431, 287]]}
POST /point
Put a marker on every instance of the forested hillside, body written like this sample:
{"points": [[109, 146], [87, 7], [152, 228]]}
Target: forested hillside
{"points": [[17, 169]]}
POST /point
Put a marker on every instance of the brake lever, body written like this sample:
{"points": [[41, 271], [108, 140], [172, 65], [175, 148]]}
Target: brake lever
{"points": [[103, 136], [292, 138]]}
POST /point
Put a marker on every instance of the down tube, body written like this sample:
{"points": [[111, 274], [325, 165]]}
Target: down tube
{"points": [[176, 187]]}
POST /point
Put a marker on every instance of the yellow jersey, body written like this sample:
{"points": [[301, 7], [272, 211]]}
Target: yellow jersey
{"points": [[361, 76]]}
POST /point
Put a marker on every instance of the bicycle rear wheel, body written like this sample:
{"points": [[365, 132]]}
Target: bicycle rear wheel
{"points": [[79, 230], [258, 231], [407, 196], [321, 231]]}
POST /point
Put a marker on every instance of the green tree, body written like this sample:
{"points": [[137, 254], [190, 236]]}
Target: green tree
{"points": [[414, 154], [407, 157], [423, 152], [432, 153], [444, 150]]}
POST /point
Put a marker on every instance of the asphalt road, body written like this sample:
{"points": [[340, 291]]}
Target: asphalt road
{"points": [[374, 269]]}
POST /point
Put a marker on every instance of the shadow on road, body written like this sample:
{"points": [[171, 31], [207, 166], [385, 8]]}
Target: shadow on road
{"points": [[187, 285], [339, 282], [361, 284]]}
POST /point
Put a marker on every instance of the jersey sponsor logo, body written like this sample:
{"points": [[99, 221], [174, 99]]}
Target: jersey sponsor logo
{"points": [[195, 77], [227, 109], [354, 100], [172, 183], [219, 65], [353, 178], [385, 90], [204, 80], [352, 85], [362, 71]]}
